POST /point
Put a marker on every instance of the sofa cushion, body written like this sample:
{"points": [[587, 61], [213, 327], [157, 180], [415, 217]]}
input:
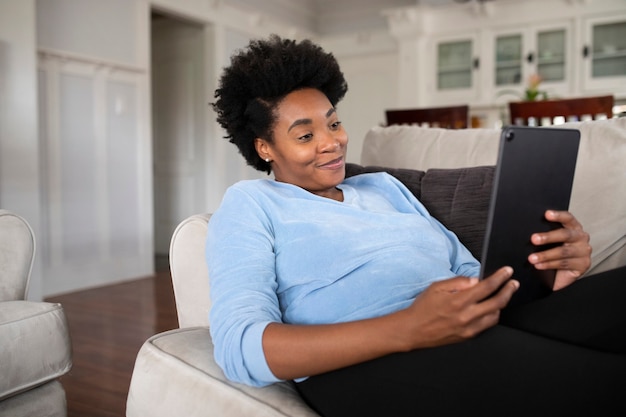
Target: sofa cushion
{"points": [[47, 400], [35, 345], [458, 198], [599, 191], [416, 147]]}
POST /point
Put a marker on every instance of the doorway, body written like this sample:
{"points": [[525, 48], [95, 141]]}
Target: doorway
{"points": [[179, 106]]}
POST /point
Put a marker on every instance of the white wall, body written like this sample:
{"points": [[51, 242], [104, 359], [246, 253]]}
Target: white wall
{"points": [[19, 163], [106, 29], [369, 93], [95, 143], [370, 66]]}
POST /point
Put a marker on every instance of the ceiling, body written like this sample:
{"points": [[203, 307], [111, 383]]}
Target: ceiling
{"points": [[332, 17], [384, 4]]}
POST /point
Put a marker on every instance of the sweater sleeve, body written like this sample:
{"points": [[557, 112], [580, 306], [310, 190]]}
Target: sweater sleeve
{"points": [[240, 257]]}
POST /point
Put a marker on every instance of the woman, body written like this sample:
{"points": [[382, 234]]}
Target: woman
{"points": [[351, 288]]}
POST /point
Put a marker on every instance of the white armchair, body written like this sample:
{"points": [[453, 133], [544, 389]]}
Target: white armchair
{"points": [[175, 373], [35, 347]]}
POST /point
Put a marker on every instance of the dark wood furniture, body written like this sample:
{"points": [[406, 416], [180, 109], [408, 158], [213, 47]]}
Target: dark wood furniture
{"points": [[569, 109], [453, 117]]}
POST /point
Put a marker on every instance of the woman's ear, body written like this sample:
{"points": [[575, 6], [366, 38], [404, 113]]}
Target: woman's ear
{"points": [[263, 149]]}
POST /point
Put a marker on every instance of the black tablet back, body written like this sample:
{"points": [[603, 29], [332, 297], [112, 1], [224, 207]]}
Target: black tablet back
{"points": [[534, 173]]}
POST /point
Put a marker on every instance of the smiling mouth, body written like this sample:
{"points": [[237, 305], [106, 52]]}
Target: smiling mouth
{"points": [[334, 164]]}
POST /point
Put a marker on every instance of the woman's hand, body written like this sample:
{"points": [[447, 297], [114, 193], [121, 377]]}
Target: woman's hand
{"points": [[572, 258], [446, 312], [459, 308]]}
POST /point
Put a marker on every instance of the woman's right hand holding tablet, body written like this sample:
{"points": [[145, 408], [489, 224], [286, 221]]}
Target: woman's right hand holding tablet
{"points": [[458, 308]]}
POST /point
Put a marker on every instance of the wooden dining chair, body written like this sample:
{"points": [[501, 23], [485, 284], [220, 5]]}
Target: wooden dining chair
{"points": [[453, 117], [536, 112]]}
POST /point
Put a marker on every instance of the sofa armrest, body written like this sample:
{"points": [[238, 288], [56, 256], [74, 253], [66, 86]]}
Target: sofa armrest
{"points": [[175, 375], [17, 253]]}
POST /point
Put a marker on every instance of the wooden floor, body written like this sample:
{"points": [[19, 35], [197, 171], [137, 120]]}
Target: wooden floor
{"points": [[108, 325]]}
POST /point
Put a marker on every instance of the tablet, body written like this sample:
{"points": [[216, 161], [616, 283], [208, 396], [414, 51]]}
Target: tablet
{"points": [[534, 173]]}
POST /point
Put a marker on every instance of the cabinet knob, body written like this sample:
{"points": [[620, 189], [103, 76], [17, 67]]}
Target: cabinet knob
{"points": [[585, 51], [476, 63], [530, 57]]}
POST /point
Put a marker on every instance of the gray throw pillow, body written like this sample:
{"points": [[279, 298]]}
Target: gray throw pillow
{"points": [[411, 178], [459, 198]]}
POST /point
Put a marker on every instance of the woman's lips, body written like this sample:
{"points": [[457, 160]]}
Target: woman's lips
{"points": [[334, 164]]}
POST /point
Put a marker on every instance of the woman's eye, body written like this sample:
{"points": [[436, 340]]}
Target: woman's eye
{"points": [[335, 125], [306, 137]]}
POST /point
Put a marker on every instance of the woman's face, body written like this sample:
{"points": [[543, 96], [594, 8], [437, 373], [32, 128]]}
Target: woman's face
{"points": [[309, 147]]}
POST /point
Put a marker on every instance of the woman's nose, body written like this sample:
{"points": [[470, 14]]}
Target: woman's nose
{"points": [[333, 141]]}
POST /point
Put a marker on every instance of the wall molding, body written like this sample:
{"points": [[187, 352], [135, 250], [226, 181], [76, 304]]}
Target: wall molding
{"points": [[64, 56]]}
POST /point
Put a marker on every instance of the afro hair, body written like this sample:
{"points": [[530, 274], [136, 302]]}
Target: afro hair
{"points": [[259, 77]]}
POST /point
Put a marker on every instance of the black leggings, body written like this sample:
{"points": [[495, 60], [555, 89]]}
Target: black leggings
{"points": [[564, 355]]}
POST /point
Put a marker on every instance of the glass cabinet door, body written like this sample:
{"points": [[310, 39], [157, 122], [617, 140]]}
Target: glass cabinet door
{"points": [[508, 60], [608, 54], [551, 55], [604, 54], [453, 73], [454, 65]]}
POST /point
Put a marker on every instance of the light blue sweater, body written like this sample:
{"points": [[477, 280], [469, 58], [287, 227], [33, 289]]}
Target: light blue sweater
{"points": [[278, 253]]}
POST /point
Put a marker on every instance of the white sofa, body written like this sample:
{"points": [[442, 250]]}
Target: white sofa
{"points": [[35, 347], [175, 374]]}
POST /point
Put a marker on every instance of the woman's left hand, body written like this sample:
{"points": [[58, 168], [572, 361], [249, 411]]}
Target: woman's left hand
{"points": [[572, 258]]}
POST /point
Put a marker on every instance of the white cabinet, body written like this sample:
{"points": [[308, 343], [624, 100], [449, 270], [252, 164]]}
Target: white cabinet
{"points": [[604, 53], [483, 53], [483, 65]]}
